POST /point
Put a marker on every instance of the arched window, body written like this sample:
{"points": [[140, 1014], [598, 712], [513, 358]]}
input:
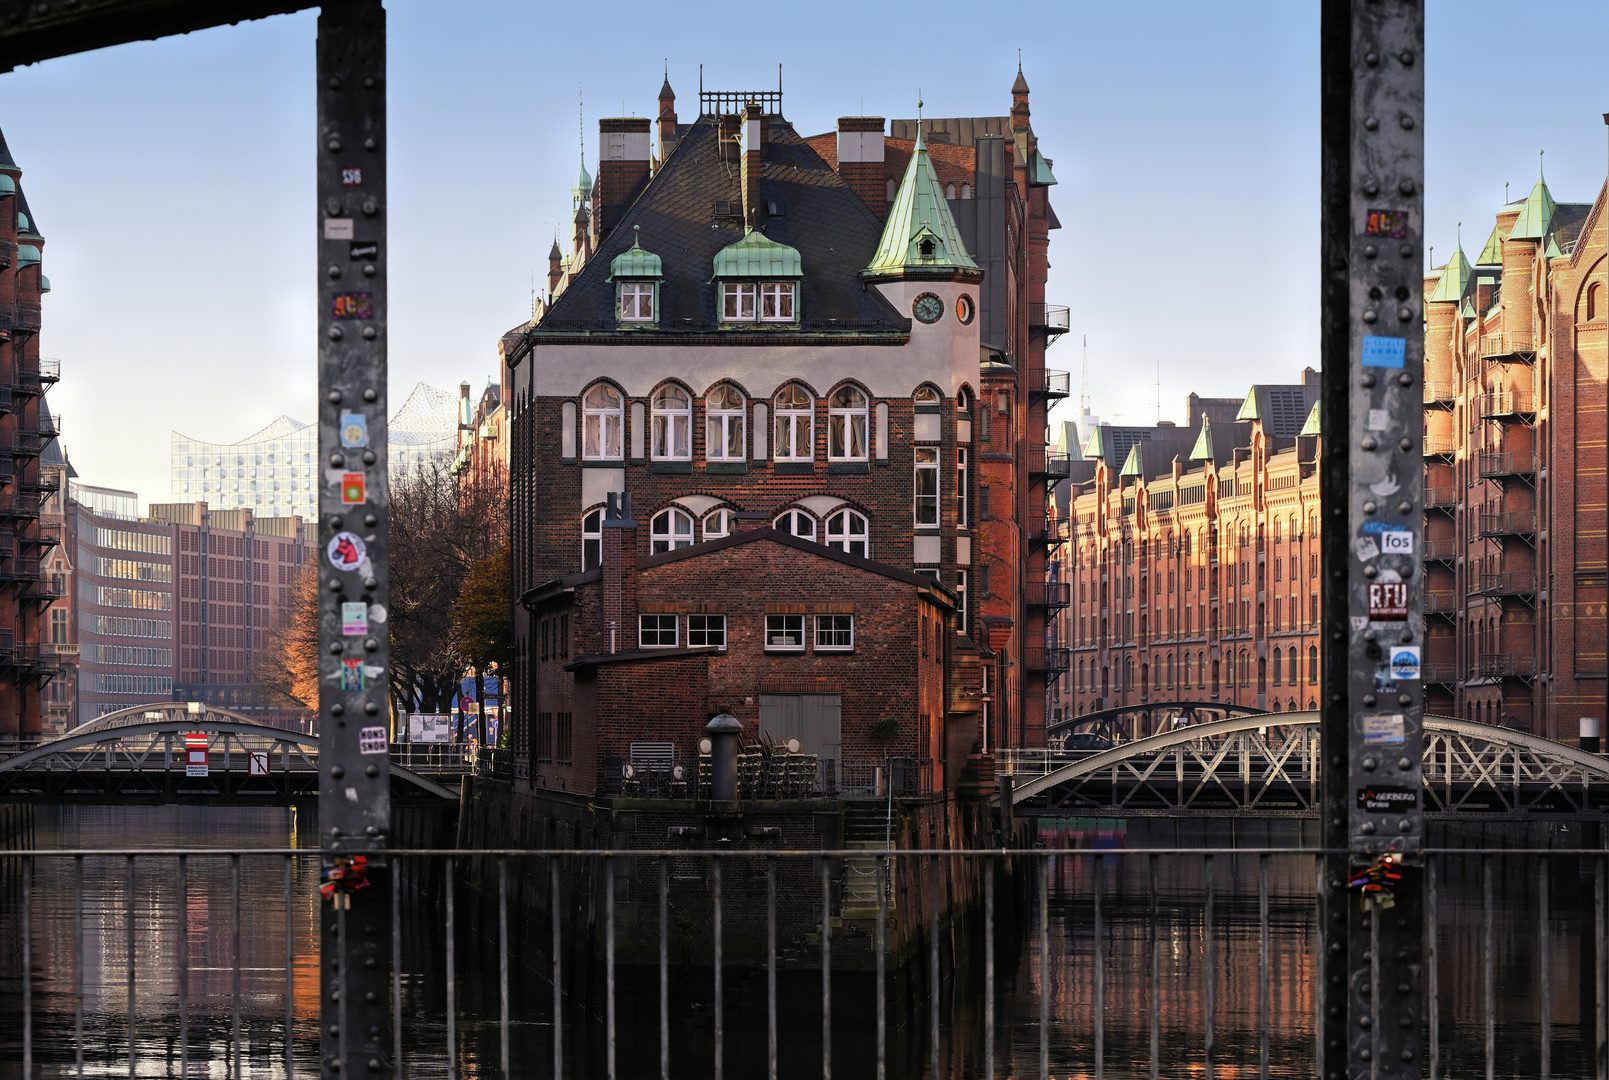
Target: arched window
{"points": [[1187, 670], [592, 540], [1170, 671], [796, 523], [846, 531], [1312, 663], [723, 424], [966, 191], [893, 188], [1245, 669], [672, 424], [795, 426], [949, 191], [603, 417], [1292, 679], [1128, 673], [669, 530], [717, 523], [1277, 658], [846, 424], [925, 395], [1594, 299]]}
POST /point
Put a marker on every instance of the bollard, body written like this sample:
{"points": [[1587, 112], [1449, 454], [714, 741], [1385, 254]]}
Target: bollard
{"points": [[725, 735]]}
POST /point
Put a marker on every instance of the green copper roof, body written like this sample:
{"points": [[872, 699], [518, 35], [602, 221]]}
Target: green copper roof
{"points": [[44, 284], [582, 190], [1248, 408], [1552, 250], [1093, 448], [1492, 253], [1131, 464], [27, 255], [1311, 427], [1454, 278], [920, 234], [1202, 451], [758, 256], [8, 186], [1042, 174], [1536, 216], [634, 262]]}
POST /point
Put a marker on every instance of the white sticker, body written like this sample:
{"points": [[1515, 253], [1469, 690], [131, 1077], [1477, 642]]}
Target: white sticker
{"points": [[337, 228], [354, 618], [1397, 542], [371, 740], [346, 551], [257, 762], [1366, 549], [1379, 419], [1383, 729]]}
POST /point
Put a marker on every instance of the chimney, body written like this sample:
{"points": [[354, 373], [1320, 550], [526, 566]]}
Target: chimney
{"points": [[860, 160], [667, 119], [618, 570], [623, 161], [753, 157]]}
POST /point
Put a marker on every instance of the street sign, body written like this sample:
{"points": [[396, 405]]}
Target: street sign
{"points": [[195, 755], [257, 762]]}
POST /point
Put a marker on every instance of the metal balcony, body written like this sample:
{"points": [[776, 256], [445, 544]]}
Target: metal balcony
{"points": [[1440, 391], [50, 426], [1508, 348], [1497, 465], [1048, 661], [1438, 445], [1047, 594], [1507, 666], [1052, 533], [1513, 523], [5, 254], [1508, 583], [1506, 406], [1445, 551], [27, 319], [1441, 603], [1441, 498], [1056, 467], [1444, 674], [7, 319], [1053, 319], [1055, 386], [45, 534], [19, 505], [44, 482]]}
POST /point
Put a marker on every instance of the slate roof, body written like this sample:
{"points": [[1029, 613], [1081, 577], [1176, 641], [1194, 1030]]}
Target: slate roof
{"points": [[1282, 409], [955, 164], [835, 233], [6, 160]]}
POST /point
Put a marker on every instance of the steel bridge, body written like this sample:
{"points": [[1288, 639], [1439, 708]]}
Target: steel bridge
{"points": [[148, 755], [1139, 721], [1268, 765]]}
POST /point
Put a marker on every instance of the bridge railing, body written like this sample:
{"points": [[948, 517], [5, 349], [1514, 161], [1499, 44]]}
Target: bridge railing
{"points": [[672, 958]]}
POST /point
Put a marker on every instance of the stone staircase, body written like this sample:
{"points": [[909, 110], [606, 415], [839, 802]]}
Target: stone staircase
{"points": [[866, 828]]}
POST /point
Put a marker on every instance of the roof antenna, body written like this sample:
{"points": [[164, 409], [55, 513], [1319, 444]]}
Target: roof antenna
{"points": [[1083, 396]]}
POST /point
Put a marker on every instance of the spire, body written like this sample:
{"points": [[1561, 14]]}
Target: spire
{"points": [[1021, 85], [1202, 451], [6, 160], [1492, 253], [1536, 216], [920, 237], [582, 189], [1454, 276], [1312, 425], [665, 92]]}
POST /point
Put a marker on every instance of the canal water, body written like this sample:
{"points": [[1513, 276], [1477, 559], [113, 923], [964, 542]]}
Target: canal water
{"points": [[85, 936]]}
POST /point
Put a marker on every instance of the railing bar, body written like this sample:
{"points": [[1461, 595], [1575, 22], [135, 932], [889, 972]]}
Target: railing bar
{"points": [[451, 930], [1600, 932], [27, 969], [664, 968], [128, 928], [771, 969], [1488, 1005], [1044, 968], [826, 970], [1209, 987], [882, 986], [1374, 987], [1544, 969], [1263, 960], [502, 970], [609, 966], [988, 968], [78, 966], [344, 974], [1156, 981], [933, 964], [396, 961], [184, 966], [1099, 886], [1433, 973], [558, 972], [720, 1015]]}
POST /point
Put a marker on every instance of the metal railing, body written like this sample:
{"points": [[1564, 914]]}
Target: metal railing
{"points": [[766, 774], [1053, 531], [1057, 384], [1504, 403], [1511, 523], [1056, 465], [1052, 318], [1517, 343], [1441, 603], [1437, 445], [1047, 594], [1493, 465], [27, 319], [1441, 673], [1440, 391], [683, 962], [1508, 583], [1500, 665], [1442, 550], [1440, 497], [1050, 660]]}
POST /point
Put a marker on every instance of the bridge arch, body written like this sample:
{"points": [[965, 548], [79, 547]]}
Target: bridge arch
{"points": [[1131, 722]]}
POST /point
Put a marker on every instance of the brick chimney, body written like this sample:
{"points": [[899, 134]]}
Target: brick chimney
{"points": [[623, 163], [667, 119], [754, 154], [860, 160], [618, 570]]}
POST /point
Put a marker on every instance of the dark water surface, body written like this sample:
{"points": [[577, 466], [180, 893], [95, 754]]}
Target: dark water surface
{"points": [[101, 940]]}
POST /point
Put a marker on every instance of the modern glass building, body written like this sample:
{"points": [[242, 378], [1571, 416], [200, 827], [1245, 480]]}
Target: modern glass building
{"points": [[274, 472]]}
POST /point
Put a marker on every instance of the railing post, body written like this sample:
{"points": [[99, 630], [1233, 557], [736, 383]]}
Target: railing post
{"points": [[350, 546]]}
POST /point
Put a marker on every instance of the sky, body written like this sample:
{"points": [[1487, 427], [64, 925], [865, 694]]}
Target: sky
{"points": [[173, 180]]}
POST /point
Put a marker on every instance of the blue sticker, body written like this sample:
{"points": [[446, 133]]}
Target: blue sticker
{"points": [[1382, 527], [1405, 662], [355, 429], [1384, 351]]}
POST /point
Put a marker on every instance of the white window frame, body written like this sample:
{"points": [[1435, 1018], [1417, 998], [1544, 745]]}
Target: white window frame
{"points": [[739, 301], [706, 631], [961, 487], [725, 430], [925, 505], [602, 423], [592, 533], [830, 631], [961, 601], [779, 628], [844, 537], [671, 426], [636, 303], [847, 424], [795, 426], [717, 523], [656, 625], [790, 519], [777, 302], [663, 535]]}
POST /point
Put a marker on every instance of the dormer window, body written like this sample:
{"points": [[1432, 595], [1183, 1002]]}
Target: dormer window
{"points": [[737, 301], [636, 301], [758, 281], [636, 274], [775, 301]]}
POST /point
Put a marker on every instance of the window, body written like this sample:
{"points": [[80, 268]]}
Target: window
{"points": [[983, 500], [58, 626], [706, 630], [961, 601], [927, 487], [669, 530], [672, 424], [1293, 672], [795, 424], [1312, 663], [592, 540], [784, 632], [656, 631], [723, 424], [846, 424], [796, 523], [737, 301], [776, 301], [603, 416], [636, 301], [1277, 659], [846, 531], [925, 395], [835, 632], [961, 487], [717, 523]]}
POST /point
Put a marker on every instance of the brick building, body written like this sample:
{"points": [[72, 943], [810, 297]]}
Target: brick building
{"points": [[1187, 568], [1515, 368], [26, 428]]}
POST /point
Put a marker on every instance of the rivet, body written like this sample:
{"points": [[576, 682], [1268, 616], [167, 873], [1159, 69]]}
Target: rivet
{"points": [[335, 648], [1368, 379], [1404, 700], [1406, 57], [1406, 187], [1371, 123], [371, 583], [1370, 251], [1370, 316], [370, 333], [368, 270], [371, 771], [1368, 828], [371, 831], [1369, 442], [334, 397], [1365, 1022], [1372, 59], [1369, 764], [1370, 635], [333, 146], [335, 830], [338, 772], [1369, 572], [369, 143], [334, 82], [1406, 1055], [369, 394], [371, 207], [335, 585], [1404, 507], [371, 520], [336, 523], [336, 461], [1405, 250], [368, 82], [1405, 763], [335, 333], [1369, 508], [1404, 379], [1406, 122], [1404, 313], [334, 272], [337, 709], [369, 457], [332, 205], [370, 644], [372, 709], [1371, 187], [372, 996], [1369, 699], [1405, 445], [374, 1063], [1405, 637]]}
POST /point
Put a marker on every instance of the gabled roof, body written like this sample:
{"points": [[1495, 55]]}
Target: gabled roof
{"points": [[1202, 451], [833, 231], [1454, 278], [920, 237], [1492, 253], [1154, 457], [1536, 216], [1312, 425]]}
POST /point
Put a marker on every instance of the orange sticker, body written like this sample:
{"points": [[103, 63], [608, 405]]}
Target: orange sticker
{"points": [[352, 487]]}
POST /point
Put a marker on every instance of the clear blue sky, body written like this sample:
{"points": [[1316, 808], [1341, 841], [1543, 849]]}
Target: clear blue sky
{"points": [[173, 180]]}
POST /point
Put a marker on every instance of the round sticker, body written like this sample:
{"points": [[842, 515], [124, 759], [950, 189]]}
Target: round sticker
{"points": [[346, 551]]}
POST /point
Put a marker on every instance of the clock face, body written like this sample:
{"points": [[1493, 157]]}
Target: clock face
{"points": [[928, 308]]}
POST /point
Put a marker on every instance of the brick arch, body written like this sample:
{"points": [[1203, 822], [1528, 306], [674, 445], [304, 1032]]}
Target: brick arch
{"points": [[814, 393], [1591, 278], [744, 390], [851, 381], [670, 381], [931, 385]]}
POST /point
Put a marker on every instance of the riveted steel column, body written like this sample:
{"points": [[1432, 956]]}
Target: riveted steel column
{"points": [[1372, 480], [354, 676]]}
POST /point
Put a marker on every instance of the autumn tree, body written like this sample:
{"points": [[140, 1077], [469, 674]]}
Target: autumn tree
{"points": [[482, 623], [287, 669]]}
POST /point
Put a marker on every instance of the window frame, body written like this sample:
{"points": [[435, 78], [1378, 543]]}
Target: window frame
{"points": [[778, 290], [961, 466], [638, 290], [779, 624], [846, 422], [800, 420], [669, 537], [723, 515], [833, 631], [847, 539], [659, 628], [925, 469], [666, 421], [719, 424], [707, 630], [596, 419], [739, 291], [593, 535], [815, 526]]}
